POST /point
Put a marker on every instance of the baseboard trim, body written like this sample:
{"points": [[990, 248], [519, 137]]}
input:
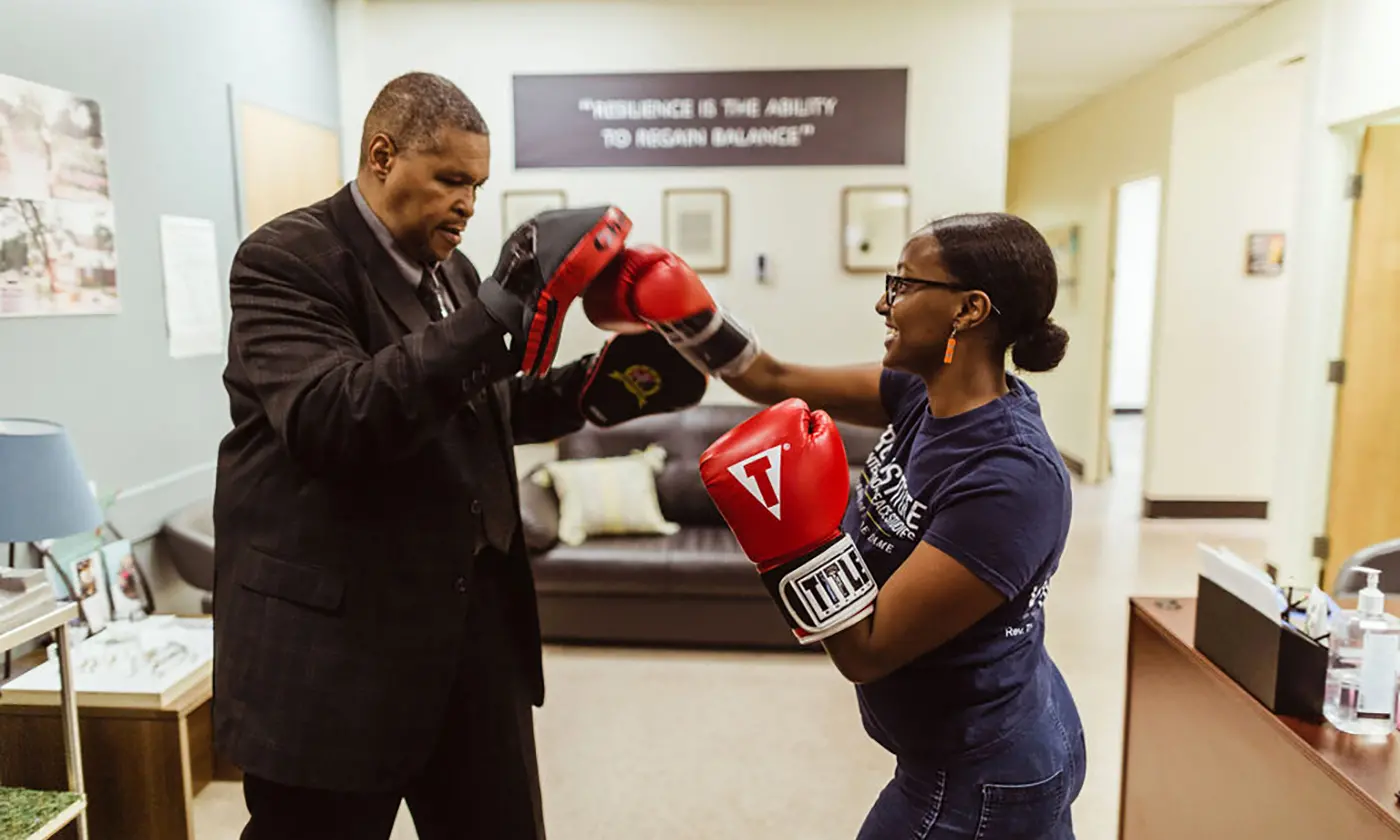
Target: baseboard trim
{"points": [[1076, 466], [1203, 509]]}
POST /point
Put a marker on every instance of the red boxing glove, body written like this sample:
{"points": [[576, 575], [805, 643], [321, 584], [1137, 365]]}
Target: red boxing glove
{"points": [[652, 287], [781, 481]]}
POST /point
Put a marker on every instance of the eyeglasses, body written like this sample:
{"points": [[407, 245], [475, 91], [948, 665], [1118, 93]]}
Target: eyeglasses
{"points": [[894, 284]]}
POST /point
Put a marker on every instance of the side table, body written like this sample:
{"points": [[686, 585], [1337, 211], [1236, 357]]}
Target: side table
{"points": [[145, 761], [59, 796]]}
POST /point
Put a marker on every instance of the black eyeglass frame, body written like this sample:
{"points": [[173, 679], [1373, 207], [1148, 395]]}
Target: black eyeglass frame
{"points": [[892, 279]]}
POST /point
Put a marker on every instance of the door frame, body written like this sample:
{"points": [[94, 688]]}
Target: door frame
{"points": [[1352, 138], [1105, 446]]}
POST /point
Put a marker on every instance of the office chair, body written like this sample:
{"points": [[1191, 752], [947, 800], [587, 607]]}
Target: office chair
{"points": [[1383, 557]]}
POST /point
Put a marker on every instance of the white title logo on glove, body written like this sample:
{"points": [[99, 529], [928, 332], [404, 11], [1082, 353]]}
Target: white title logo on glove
{"points": [[761, 475]]}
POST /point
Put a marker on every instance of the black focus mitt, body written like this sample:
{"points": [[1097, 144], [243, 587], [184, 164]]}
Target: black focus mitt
{"points": [[636, 374], [544, 265]]}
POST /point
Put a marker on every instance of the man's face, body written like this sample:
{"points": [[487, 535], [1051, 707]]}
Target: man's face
{"points": [[429, 194]]}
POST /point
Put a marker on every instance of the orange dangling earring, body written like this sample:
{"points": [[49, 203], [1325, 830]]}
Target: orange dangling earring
{"points": [[952, 344]]}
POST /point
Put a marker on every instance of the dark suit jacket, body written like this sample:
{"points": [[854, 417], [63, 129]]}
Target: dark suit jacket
{"points": [[344, 502]]}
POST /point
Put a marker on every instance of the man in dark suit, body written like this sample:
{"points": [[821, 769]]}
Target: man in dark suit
{"points": [[375, 630]]}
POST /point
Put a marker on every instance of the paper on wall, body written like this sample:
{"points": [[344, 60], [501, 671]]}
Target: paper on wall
{"points": [[194, 315]]}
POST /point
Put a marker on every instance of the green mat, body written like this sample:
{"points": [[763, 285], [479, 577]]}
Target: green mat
{"points": [[22, 812]]}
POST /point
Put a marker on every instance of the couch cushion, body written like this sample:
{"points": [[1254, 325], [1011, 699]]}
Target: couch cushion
{"points": [[696, 561], [606, 496]]}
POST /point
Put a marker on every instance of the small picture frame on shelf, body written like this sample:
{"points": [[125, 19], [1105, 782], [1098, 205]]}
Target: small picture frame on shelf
{"points": [[519, 206], [874, 227], [82, 578], [126, 590], [697, 227]]}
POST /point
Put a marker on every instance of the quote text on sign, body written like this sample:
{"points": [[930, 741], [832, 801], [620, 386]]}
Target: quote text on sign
{"points": [[800, 116]]}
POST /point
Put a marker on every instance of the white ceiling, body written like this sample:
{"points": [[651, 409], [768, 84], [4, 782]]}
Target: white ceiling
{"points": [[1066, 52]]}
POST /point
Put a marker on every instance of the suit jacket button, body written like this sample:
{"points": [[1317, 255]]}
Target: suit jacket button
{"points": [[476, 506], [461, 584]]}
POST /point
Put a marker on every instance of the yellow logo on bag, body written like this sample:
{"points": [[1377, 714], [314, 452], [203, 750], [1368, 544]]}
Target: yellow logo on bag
{"points": [[642, 381]]}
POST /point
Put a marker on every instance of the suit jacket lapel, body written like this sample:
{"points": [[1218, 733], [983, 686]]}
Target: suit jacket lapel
{"points": [[461, 278], [388, 280]]}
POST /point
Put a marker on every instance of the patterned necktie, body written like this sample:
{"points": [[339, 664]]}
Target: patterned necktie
{"points": [[433, 296], [495, 506]]}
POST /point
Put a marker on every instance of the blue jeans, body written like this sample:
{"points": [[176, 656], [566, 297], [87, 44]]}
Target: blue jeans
{"points": [[1022, 791]]}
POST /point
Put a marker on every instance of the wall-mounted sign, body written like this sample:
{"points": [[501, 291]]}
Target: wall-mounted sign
{"points": [[741, 118]]}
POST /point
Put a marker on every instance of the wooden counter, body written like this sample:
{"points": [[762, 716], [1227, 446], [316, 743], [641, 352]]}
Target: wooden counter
{"points": [[1203, 759]]}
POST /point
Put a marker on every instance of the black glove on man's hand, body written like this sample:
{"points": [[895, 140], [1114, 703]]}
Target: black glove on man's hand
{"points": [[637, 374], [546, 263]]}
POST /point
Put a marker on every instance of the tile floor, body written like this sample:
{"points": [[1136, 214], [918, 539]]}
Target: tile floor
{"points": [[644, 745]]}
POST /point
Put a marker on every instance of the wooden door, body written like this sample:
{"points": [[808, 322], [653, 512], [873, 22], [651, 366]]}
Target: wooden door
{"points": [[1364, 497]]}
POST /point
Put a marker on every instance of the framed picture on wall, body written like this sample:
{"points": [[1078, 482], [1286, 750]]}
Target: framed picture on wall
{"points": [[874, 227], [1264, 254], [519, 206], [1064, 244], [697, 227]]}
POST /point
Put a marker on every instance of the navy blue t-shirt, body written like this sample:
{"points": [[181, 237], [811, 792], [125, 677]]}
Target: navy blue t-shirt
{"points": [[988, 488]]}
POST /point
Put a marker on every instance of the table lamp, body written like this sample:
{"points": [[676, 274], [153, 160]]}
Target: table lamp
{"points": [[43, 492]]}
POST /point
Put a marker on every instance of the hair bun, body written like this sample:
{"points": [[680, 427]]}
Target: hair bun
{"points": [[1042, 348]]}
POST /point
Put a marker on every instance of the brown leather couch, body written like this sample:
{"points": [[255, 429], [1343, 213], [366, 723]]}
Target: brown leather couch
{"points": [[694, 588]]}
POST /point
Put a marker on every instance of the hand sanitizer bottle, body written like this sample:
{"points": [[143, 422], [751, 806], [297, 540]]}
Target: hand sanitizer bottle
{"points": [[1363, 664]]}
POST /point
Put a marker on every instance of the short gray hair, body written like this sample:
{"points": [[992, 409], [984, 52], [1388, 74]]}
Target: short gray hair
{"points": [[414, 107]]}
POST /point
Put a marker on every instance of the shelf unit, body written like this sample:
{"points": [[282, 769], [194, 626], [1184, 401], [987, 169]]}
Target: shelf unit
{"points": [[57, 619]]}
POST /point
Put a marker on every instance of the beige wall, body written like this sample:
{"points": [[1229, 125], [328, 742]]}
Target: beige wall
{"points": [[1218, 378], [1067, 172]]}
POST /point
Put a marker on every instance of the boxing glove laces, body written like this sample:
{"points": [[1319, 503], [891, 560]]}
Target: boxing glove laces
{"points": [[781, 481]]}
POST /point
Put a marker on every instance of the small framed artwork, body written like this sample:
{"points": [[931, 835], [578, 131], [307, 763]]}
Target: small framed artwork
{"points": [[519, 206], [1264, 254], [126, 588], [874, 228], [81, 578], [1064, 244], [697, 227]]}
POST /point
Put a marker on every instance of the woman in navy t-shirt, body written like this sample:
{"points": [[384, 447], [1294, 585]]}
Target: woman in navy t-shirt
{"points": [[961, 514]]}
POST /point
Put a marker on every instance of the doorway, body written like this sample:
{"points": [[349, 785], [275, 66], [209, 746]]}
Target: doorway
{"points": [[1136, 226], [1363, 506]]}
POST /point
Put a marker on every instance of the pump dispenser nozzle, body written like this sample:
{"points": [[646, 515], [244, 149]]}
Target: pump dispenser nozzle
{"points": [[1371, 600]]}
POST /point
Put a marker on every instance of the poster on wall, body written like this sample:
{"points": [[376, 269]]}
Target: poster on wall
{"points": [[844, 117], [58, 251]]}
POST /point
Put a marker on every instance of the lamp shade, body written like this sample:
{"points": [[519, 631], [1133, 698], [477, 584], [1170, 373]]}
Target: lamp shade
{"points": [[43, 492]]}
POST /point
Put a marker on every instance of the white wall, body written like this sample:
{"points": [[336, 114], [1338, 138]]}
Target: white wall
{"points": [[1067, 172], [1218, 373], [1364, 68], [1134, 291], [957, 52], [1359, 82]]}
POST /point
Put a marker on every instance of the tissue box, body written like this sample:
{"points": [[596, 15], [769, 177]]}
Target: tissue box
{"points": [[1283, 668]]}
